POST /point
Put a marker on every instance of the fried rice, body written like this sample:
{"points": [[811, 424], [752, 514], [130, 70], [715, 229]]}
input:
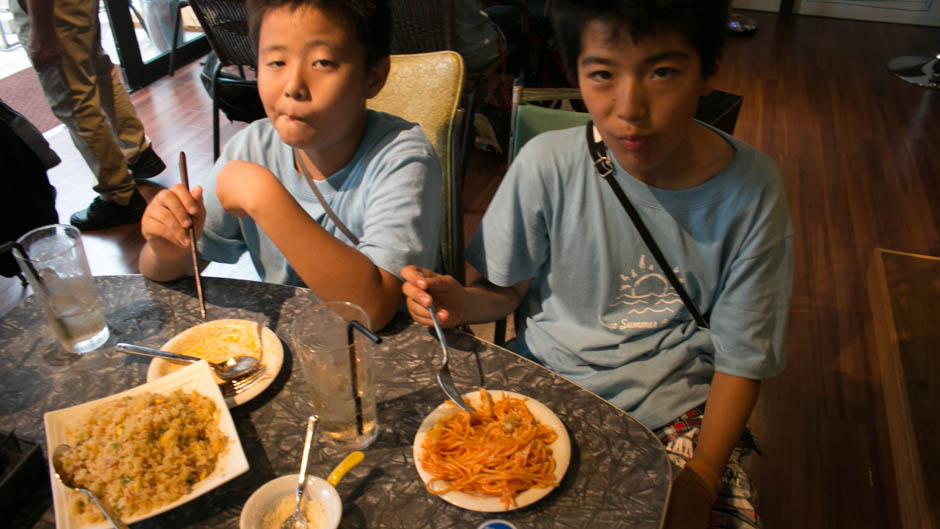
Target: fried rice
{"points": [[143, 451]]}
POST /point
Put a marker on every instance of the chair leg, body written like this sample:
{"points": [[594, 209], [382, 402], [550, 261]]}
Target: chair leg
{"points": [[176, 34], [468, 135], [456, 212], [499, 332], [140, 19], [215, 110]]}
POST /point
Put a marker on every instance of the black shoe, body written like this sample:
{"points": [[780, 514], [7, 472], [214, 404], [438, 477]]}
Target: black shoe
{"points": [[103, 214], [148, 165]]}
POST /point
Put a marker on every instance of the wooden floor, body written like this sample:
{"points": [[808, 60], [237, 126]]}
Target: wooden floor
{"points": [[860, 151]]}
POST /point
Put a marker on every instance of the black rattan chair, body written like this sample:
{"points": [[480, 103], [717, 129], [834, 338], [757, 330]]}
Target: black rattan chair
{"points": [[225, 23], [422, 26]]}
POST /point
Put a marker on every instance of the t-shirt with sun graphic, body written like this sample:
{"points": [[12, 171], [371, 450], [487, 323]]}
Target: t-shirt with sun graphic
{"points": [[600, 311]]}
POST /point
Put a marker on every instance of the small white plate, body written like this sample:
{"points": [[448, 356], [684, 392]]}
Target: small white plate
{"points": [[561, 451], [195, 377], [272, 355]]}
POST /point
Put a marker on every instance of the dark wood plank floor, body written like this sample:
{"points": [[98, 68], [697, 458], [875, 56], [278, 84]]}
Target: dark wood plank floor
{"points": [[860, 151]]}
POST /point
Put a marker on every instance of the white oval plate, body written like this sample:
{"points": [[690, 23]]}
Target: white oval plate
{"points": [[272, 355], [561, 451]]}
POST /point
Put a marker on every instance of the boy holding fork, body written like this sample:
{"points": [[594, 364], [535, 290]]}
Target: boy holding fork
{"points": [[593, 302], [318, 63]]}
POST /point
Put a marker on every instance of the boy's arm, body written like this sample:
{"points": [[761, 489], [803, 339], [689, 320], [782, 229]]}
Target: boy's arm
{"points": [[730, 402], [486, 302], [480, 302], [328, 266]]}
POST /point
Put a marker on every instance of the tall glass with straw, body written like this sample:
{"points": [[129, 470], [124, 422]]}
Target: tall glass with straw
{"points": [[334, 345], [53, 260]]}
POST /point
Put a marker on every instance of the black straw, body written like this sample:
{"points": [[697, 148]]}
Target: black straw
{"points": [[355, 325], [7, 246]]}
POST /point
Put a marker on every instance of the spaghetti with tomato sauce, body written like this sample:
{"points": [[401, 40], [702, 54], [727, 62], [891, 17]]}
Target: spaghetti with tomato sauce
{"points": [[499, 450]]}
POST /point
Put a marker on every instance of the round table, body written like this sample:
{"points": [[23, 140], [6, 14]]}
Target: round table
{"points": [[619, 475]]}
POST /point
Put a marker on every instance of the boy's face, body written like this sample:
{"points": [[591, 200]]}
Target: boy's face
{"points": [[642, 97], [313, 80]]}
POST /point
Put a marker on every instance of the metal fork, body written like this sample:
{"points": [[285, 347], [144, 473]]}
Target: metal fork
{"points": [[443, 373], [240, 385]]}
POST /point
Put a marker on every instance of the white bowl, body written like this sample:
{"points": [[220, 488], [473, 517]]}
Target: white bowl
{"points": [[268, 495]]}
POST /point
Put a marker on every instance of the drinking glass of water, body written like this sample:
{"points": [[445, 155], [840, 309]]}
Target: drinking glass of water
{"points": [[57, 270], [338, 366]]}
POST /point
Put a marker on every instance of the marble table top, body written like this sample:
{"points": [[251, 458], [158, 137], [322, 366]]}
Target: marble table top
{"points": [[618, 477]]}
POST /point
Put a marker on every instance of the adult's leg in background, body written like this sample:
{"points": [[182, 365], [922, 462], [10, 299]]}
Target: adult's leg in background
{"points": [[72, 91]]}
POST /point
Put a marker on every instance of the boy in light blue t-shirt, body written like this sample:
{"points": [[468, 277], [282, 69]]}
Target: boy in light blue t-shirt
{"points": [[595, 306], [318, 63]]}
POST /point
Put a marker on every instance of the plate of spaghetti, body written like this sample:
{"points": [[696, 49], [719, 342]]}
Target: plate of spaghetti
{"points": [[509, 453]]}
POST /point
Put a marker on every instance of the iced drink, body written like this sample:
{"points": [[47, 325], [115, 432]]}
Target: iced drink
{"points": [[57, 270], [320, 340]]}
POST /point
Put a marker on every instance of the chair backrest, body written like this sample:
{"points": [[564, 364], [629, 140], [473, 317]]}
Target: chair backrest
{"points": [[225, 23], [421, 26], [532, 120], [425, 88], [527, 121]]}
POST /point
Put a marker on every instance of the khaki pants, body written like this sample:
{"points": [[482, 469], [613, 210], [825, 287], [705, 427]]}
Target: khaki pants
{"points": [[86, 93]]}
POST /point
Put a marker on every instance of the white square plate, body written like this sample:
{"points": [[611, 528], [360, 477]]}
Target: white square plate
{"points": [[195, 377]]}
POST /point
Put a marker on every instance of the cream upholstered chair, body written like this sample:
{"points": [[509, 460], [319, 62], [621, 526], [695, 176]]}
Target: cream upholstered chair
{"points": [[425, 88]]}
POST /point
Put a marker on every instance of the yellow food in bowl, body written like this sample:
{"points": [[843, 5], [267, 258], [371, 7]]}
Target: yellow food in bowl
{"points": [[312, 511]]}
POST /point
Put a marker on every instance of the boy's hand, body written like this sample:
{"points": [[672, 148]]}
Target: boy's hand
{"points": [[166, 221], [241, 186], [420, 284], [693, 494]]}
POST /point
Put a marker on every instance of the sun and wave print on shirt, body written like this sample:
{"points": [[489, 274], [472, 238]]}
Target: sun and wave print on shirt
{"points": [[645, 299]]}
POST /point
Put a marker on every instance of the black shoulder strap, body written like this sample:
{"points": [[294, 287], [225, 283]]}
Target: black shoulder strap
{"points": [[605, 169], [326, 207]]}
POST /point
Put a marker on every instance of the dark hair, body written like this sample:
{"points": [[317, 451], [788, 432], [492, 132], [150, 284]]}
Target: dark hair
{"points": [[368, 20], [703, 23]]}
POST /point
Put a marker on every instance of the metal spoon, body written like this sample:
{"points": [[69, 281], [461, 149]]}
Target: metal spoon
{"points": [[228, 370], [443, 373], [66, 480], [297, 520]]}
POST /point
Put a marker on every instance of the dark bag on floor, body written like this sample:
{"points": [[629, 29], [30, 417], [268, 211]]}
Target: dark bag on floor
{"points": [[28, 198]]}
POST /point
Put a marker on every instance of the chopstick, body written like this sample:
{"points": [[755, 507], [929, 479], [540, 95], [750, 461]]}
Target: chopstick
{"points": [[184, 176]]}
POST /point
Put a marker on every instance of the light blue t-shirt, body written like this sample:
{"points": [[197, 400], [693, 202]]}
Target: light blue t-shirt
{"points": [[388, 195], [599, 310]]}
